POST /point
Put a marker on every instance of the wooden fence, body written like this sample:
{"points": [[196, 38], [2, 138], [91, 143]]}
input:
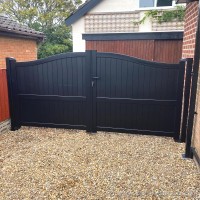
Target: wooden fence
{"points": [[4, 109], [168, 51]]}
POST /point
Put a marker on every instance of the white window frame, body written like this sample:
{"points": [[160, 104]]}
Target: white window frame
{"points": [[156, 7]]}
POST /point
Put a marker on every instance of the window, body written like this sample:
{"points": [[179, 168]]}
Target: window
{"points": [[164, 3], [155, 3], [145, 3]]}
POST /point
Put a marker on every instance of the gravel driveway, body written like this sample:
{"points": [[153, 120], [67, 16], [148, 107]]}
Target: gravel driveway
{"points": [[41, 163]]}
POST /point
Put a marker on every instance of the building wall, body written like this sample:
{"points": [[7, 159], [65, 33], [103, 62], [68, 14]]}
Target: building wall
{"points": [[189, 41], [21, 50], [148, 49], [121, 6], [114, 16], [115, 6], [78, 29], [18, 48], [190, 30]]}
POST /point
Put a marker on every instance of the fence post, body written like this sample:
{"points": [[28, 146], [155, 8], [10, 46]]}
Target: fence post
{"points": [[179, 100], [189, 62], [11, 80]]}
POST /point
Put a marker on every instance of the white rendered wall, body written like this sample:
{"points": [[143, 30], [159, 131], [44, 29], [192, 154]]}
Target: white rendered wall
{"points": [[78, 29], [147, 25], [115, 6]]}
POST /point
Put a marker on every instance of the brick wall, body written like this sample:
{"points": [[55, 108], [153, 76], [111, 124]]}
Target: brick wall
{"points": [[189, 41], [21, 50], [190, 30], [18, 48]]}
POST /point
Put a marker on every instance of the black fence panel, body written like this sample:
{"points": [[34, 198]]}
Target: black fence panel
{"points": [[97, 91]]}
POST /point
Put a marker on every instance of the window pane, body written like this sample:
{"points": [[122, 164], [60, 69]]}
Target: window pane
{"points": [[146, 3], [164, 3]]}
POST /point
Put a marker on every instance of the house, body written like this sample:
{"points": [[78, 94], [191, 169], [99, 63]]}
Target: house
{"points": [[191, 49], [16, 41], [111, 26]]}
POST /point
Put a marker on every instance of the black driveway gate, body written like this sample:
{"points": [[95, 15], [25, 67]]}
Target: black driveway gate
{"points": [[97, 91]]}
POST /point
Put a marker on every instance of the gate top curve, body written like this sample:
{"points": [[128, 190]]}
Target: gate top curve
{"points": [[50, 59], [136, 60]]}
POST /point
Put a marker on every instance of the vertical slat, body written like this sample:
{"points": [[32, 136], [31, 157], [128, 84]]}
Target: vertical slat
{"points": [[54, 72], [40, 78], [187, 87], [59, 86], [134, 71], [140, 81], [79, 76], [88, 69], [49, 69], [94, 90], [36, 79], [84, 77], [129, 81], [49, 82], [124, 69], [118, 78], [60, 80], [113, 78], [70, 76], [65, 76], [75, 76]]}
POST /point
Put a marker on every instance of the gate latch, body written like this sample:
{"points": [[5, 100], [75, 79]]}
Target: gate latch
{"points": [[96, 77]]}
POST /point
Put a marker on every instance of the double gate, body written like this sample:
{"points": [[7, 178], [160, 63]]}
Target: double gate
{"points": [[97, 91]]}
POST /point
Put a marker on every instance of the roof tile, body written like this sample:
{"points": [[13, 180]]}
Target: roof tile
{"points": [[9, 25]]}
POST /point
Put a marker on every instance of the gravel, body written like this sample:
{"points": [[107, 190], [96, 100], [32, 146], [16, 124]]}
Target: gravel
{"points": [[44, 163]]}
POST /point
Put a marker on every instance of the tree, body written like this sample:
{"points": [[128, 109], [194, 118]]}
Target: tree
{"points": [[47, 16], [58, 40]]}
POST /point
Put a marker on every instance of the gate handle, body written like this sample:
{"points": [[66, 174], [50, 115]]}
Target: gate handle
{"points": [[96, 77]]}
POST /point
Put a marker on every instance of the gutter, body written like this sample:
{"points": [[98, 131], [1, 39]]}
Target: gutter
{"points": [[37, 37]]}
